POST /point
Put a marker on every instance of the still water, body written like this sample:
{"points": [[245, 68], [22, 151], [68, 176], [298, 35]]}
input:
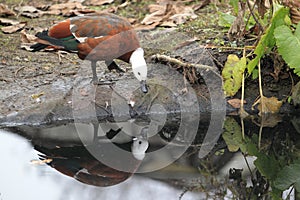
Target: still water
{"points": [[255, 158], [21, 179]]}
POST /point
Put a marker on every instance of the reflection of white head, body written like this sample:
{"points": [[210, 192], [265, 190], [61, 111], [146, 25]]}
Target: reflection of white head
{"points": [[139, 66], [139, 148]]}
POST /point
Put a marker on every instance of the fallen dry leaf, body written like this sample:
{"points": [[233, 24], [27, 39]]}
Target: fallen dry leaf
{"points": [[168, 24], [29, 11], [182, 14], [68, 9], [270, 120], [7, 22], [131, 20], [98, 2], [158, 13], [167, 13], [268, 105], [27, 38], [139, 27], [202, 4], [13, 28], [235, 103], [5, 11]]}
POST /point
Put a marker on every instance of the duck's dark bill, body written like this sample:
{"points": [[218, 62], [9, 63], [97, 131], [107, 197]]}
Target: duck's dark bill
{"points": [[144, 87]]}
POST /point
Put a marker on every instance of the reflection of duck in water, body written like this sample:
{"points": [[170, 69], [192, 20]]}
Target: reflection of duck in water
{"points": [[79, 163]]}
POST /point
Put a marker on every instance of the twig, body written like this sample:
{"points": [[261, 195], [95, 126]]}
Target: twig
{"points": [[152, 100], [183, 192], [290, 193], [104, 108], [261, 98], [248, 166], [68, 73], [18, 70], [243, 113], [215, 59], [260, 132], [113, 89], [262, 104], [259, 81], [230, 48], [253, 15], [19, 6], [242, 110], [183, 64]]}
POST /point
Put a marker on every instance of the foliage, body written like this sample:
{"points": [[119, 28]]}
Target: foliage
{"points": [[233, 74], [225, 19], [268, 105], [288, 44], [234, 4], [267, 40], [232, 135], [281, 171], [289, 175], [277, 34]]}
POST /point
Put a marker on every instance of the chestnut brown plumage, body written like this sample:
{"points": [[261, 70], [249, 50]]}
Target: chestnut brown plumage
{"points": [[97, 37]]}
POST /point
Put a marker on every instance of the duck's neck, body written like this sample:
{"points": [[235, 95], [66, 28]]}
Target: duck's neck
{"points": [[126, 57], [137, 58]]}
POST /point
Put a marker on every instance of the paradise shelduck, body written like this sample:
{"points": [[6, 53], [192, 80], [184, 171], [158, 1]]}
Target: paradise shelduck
{"points": [[95, 37], [78, 163]]}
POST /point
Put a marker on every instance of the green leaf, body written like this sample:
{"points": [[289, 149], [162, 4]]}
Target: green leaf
{"points": [[268, 166], [235, 5], [289, 46], [255, 74], [288, 176], [233, 74], [267, 41], [225, 20], [232, 135]]}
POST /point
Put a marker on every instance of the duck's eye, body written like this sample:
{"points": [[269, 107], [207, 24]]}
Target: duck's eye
{"points": [[140, 142], [139, 73]]}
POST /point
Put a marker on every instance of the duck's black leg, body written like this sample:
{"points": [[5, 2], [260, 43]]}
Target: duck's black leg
{"points": [[112, 65], [96, 128], [95, 77]]}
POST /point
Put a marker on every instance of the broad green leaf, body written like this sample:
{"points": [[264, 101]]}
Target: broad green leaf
{"points": [[225, 20], [233, 74], [232, 135], [268, 166], [267, 41], [287, 176], [288, 44]]}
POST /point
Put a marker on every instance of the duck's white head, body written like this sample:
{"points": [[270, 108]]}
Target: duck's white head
{"points": [[139, 67], [139, 148]]}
